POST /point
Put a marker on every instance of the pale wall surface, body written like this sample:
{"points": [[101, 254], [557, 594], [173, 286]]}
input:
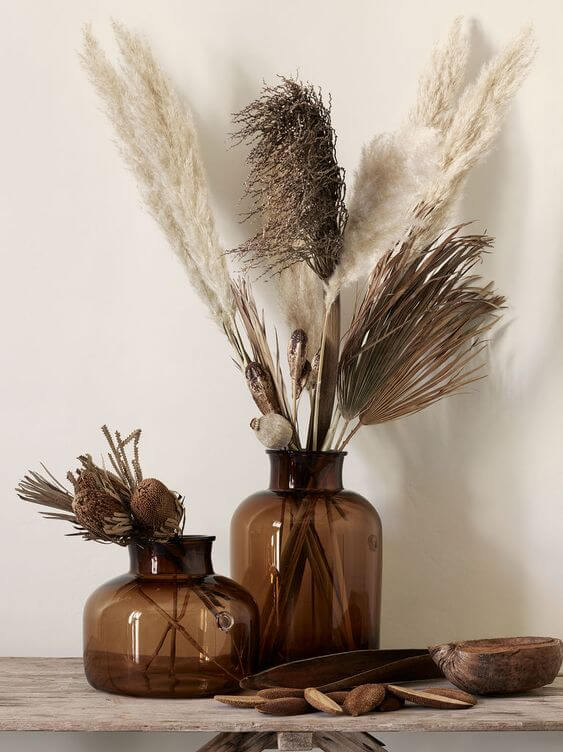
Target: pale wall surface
{"points": [[100, 325]]}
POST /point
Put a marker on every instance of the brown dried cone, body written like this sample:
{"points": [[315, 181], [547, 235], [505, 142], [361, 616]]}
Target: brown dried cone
{"points": [[364, 699], [296, 351], [261, 388], [99, 512], [156, 509]]}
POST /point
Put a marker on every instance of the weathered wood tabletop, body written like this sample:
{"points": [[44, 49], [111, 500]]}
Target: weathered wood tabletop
{"points": [[51, 694]]}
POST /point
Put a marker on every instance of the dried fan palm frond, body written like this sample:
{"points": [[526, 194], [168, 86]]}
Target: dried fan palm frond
{"points": [[417, 332], [295, 181]]}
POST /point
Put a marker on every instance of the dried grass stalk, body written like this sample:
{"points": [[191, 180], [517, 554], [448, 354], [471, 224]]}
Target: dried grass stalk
{"points": [[471, 135], [295, 182], [158, 141], [417, 332]]}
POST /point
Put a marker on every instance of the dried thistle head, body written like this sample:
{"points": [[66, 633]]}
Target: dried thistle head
{"points": [[415, 336], [295, 182]]}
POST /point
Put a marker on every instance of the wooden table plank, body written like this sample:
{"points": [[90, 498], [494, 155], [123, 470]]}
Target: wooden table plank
{"points": [[51, 694]]}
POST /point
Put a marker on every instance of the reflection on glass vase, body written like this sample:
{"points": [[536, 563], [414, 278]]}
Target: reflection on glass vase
{"points": [[171, 627], [310, 554]]}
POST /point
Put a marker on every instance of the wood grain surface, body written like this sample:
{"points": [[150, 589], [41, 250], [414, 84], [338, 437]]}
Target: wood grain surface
{"points": [[51, 694]]}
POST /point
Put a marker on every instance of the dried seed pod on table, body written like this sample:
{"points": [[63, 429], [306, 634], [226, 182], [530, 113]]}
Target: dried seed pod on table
{"points": [[274, 693], [285, 706], [364, 699], [322, 702], [430, 699], [390, 703], [240, 701]]}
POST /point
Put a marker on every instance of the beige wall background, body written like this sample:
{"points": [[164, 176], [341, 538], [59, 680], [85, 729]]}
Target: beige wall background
{"points": [[100, 325]]}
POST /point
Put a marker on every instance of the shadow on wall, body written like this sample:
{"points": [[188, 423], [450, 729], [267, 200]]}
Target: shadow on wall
{"points": [[453, 503]]}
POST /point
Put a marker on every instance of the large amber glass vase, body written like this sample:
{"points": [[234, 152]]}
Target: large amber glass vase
{"points": [[310, 554], [171, 627]]}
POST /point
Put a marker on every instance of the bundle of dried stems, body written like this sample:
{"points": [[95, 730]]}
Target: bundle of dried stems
{"points": [[419, 326], [404, 193]]}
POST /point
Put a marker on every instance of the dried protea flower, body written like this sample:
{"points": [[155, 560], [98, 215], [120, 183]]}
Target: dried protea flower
{"points": [[156, 509], [273, 430], [296, 353], [261, 388], [100, 513]]}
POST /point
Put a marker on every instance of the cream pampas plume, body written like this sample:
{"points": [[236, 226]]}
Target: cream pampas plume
{"points": [[439, 85], [408, 181], [157, 138], [473, 130]]}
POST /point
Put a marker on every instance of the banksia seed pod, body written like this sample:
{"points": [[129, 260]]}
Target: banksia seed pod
{"points": [[99, 513], [156, 509], [261, 388], [296, 350], [272, 430]]}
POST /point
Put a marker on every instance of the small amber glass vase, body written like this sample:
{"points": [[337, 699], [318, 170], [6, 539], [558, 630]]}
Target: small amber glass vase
{"points": [[310, 554], [171, 627]]}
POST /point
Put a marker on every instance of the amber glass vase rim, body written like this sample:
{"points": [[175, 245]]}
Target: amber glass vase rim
{"points": [[177, 539], [306, 452]]}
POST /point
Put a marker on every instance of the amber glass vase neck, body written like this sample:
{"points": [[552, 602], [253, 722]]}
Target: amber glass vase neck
{"points": [[306, 471], [189, 556]]}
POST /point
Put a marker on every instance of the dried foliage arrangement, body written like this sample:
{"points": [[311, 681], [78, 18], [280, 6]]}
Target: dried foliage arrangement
{"points": [[109, 506], [423, 311], [421, 318]]}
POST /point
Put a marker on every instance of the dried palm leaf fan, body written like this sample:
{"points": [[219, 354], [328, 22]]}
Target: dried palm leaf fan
{"points": [[118, 506]]}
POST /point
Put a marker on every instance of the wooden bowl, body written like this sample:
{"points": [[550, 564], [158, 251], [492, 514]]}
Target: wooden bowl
{"points": [[500, 666]]}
